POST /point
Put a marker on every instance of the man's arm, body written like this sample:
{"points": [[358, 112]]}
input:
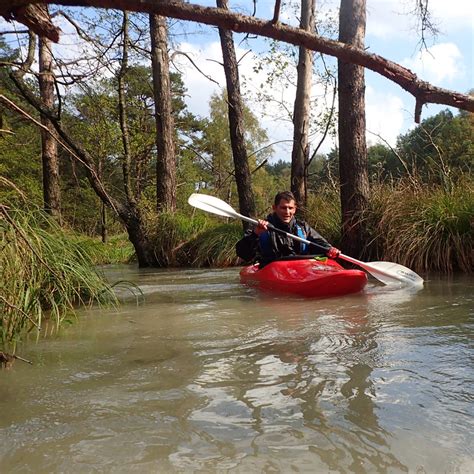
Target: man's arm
{"points": [[313, 236], [247, 247], [327, 248]]}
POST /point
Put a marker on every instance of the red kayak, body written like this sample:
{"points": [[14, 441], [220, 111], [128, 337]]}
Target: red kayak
{"points": [[314, 278]]}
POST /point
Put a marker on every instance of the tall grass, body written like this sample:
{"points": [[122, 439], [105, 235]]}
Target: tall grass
{"points": [[171, 232], [323, 213], [215, 247], [429, 228], [44, 275], [117, 249]]}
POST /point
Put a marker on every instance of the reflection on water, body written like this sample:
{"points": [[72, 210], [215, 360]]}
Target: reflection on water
{"points": [[207, 375]]}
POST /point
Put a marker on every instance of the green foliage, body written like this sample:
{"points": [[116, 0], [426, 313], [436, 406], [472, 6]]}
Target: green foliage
{"points": [[383, 163], [20, 145], [171, 232], [278, 168], [323, 213], [324, 171], [44, 275], [440, 148], [118, 249]]}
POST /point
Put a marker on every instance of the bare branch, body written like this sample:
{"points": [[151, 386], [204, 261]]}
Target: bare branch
{"points": [[186, 55], [276, 12]]}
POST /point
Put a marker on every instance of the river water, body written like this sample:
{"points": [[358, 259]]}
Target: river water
{"points": [[204, 375]]}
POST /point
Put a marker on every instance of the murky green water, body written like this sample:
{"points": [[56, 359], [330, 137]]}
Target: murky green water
{"points": [[208, 376]]}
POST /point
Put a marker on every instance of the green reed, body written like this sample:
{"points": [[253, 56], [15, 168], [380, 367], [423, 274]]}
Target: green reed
{"points": [[215, 247], [171, 233], [429, 228], [323, 213], [45, 275], [117, 249]]}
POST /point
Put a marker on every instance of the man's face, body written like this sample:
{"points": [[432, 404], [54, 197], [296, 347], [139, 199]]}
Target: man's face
{"points": [[285, 210]]}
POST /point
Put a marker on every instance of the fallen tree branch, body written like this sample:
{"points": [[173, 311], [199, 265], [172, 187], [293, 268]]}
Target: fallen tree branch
{"points": [[422, 91]]}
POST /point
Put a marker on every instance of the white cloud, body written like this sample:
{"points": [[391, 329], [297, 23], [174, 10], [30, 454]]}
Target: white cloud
{"points": [[384, 116], [439, 64], [453, 14]]}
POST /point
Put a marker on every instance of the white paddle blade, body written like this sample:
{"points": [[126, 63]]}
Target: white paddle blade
{"points": [[211, 204], [391, 273], [388, 272]]}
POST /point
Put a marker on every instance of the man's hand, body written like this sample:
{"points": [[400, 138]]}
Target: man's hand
{"points": [[261, 227], [333, 252]]}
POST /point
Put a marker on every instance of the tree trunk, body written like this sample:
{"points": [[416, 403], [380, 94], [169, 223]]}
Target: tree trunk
{"points": [[138, 236], [243, 177], [49, 149], [103, 222], [301, 113], [122, 106], [166, 160], [353, 168], [103, 209]]}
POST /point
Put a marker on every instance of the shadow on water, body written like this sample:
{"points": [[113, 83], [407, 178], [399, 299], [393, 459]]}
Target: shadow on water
{"points": [[207, 375]]}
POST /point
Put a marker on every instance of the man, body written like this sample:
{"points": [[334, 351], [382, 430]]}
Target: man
{"points": [[265, 245]]}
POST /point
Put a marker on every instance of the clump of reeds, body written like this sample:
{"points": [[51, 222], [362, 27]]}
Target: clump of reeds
{"points": [[171, 232], [429, 228], [117, 249], [215, 247], [44, 274]]}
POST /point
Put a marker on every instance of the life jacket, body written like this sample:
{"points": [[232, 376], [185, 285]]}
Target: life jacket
{"points": [[266, 243]]}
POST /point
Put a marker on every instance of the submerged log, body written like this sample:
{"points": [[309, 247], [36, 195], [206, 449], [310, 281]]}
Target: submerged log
{"points": [[6, 360]]}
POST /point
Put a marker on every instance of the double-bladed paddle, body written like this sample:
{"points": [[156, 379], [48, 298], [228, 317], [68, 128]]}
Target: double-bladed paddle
{"points": [[387, 272]]}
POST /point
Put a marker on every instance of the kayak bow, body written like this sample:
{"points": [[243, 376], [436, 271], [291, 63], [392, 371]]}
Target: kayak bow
{"points": [[309, 278]]}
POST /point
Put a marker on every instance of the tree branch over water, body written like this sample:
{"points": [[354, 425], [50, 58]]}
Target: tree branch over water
{"points": [[422, 91]]}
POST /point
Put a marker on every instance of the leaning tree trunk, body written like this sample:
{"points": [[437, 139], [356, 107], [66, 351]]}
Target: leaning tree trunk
{"points": [[301, 113], [243, 177], [353, 169], [131, 213], [49, 149], [165, 146]]}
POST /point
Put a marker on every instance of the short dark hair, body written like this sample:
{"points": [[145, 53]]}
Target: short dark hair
{"points": [[286, 195]]}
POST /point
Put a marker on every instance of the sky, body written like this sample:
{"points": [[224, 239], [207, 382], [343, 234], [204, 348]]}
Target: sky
{"points": [[391, 32]]}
